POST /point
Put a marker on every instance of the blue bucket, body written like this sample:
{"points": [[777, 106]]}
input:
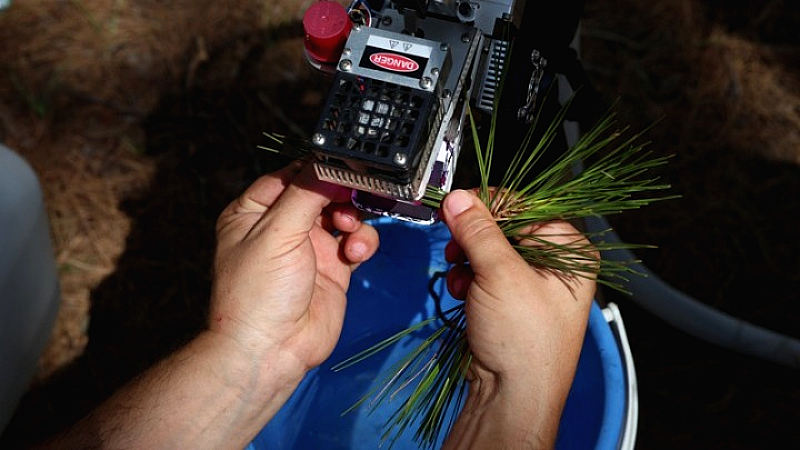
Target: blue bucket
{"points": [[389, 293]]}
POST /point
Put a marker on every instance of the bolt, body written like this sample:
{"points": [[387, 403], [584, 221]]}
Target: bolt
{"points": [[346, 51], [435, 72], [318, 139], [465, 37], [425, 83], [465, 10], [444, 47], [345, 65], [387, 21], [400, 159]]}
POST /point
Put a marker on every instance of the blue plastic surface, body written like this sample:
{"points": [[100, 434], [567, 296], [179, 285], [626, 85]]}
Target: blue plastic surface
{"points": [[386, 295]]}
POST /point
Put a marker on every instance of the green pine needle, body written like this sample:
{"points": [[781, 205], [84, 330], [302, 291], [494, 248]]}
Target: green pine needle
{"points": [[294, 148]]}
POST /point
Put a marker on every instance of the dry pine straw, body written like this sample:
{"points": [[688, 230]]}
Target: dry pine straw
{"points": [[89, 233], [77, 77]]}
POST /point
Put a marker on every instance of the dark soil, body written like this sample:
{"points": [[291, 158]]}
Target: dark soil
{"points": [[731, 240]]}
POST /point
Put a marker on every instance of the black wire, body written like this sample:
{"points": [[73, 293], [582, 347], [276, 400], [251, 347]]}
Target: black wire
{"points": [[437, 299]]}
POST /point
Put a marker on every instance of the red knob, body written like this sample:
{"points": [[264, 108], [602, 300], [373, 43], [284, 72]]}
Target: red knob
{"points": [[327, 26]]}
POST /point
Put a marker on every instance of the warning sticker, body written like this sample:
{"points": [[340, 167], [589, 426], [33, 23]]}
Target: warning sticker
{"points": [[397, 45], [409, 65]]}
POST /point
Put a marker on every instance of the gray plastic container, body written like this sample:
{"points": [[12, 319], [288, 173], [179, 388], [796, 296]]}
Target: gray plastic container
{"points": [[29, 289]]}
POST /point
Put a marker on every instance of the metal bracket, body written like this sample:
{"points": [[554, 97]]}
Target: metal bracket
{"points": [[526, 112]]}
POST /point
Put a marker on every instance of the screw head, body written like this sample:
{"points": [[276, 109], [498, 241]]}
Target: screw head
{"points": [[318, 139], [425, 83], [345, 65], [400, 159]]}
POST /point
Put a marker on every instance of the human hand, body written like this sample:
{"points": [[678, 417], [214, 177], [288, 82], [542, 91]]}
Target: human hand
{"points": [[281, 274], [277, 309], [525, 328]]}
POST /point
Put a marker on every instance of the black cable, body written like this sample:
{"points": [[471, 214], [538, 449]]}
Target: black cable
{"points": [[437, 299]]}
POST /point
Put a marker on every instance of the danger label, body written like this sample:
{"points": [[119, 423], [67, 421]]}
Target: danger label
{"points": [[394, 62]]}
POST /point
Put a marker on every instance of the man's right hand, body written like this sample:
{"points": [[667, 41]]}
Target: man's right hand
{"points": [[525, 327]]}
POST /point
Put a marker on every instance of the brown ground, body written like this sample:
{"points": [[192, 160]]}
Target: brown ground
{"points": [[142, 120]]}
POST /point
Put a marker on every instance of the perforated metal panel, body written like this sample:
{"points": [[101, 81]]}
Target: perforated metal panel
{"points": [[374, 126]]}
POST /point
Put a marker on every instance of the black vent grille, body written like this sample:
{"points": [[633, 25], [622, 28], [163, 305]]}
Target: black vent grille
{"points": [[374, 126]]}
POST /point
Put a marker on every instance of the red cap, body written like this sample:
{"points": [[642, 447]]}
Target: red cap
{"points": [[327, 26]]}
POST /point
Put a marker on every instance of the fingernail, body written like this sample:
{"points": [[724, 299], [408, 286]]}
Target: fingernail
{"points": [[357, 251], [461, 286], [457, 202]]}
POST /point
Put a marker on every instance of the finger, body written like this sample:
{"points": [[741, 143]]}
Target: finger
{"points": [[361, 245], [340, 218], [559, 232], [565, 236], [299, 206], [265, 190], [345, 217], [325, 221], [477, 233], [459, 278], [240, 215], [453, 253]]}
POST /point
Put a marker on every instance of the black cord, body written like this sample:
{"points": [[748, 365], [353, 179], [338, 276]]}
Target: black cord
{"points": [[437, 299]]}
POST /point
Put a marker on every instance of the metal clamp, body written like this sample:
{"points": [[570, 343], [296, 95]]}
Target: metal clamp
{"points": [[539, 63]]}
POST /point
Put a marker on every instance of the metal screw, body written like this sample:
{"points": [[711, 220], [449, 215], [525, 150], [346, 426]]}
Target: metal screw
{"points": [[435, 72], [400, 159], [346, 51], [318, 139], [465, 37], [345, 65], [444, 47], [425, 83], [387, 21]]}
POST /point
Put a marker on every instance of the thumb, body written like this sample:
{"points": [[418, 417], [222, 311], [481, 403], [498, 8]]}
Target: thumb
{"points": [[476, 232], [297, 208]]}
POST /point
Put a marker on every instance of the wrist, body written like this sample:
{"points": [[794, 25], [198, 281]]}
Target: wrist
{"points": [[208, 394], [506, 414], [258, 372]]}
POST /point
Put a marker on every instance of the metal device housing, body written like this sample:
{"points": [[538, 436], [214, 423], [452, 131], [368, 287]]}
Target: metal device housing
{"points": [[392, 124]]}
